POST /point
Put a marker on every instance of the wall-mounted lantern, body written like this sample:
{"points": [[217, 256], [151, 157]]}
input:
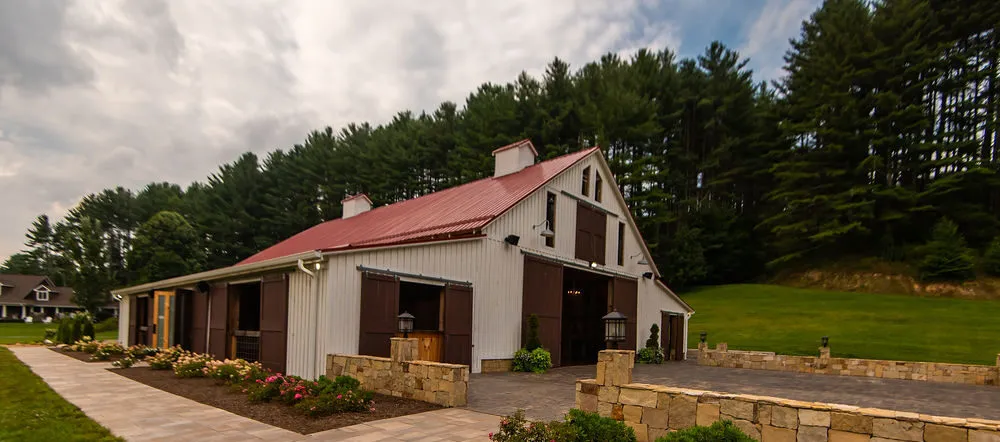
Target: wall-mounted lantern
{"points": [[405, 324], [614, 328]]}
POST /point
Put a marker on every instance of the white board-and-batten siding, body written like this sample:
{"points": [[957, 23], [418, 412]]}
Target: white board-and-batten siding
{"points": [[123, 317], [491, 268], [519, 220]]}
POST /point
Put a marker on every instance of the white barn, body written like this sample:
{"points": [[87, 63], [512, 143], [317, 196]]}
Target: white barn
{"points": [[554, 239]]}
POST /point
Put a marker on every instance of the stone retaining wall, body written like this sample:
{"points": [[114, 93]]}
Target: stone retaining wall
{"points": [[824, 364], [402, 376], [654, 410]]}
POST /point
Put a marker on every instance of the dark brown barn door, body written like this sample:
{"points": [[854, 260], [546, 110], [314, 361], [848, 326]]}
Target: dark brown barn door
{"points": [[133, 326], [591, 233], [199, 321], [458, 324], [274, 322], [219, 305], [677, 337], [542, 296], [379, 309], [626, 301]]}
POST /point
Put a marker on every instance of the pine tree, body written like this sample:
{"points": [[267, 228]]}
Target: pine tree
{"points": [[991, 259], [945, 256]]}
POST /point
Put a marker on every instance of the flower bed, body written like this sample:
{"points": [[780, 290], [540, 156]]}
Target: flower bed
{"points": [[247, 389], [89, 350]]}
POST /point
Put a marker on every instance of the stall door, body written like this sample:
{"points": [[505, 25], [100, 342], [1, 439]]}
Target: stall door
{"points": [[133, 323], [458, 324], [218, 305], [274, 322], [626, 301], [672, 336], [199, 321], [379, 311], [542, 296]]}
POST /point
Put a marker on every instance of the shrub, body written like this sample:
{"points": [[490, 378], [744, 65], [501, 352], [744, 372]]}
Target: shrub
{"points": [[106, 351], [327, 404], [191, 365], [110, 324], [77, 330], [263, 390], [650, 355], [64, 335], [991, 259], [578, 426], [722, 431], [85, 345], [50, 334], [123, 363], [591, 426], [533, 341], [234, 371], [338, 385], [140, 352], [88, 330], [164, 359], [538, 360], [945, 256], [654, 337]]}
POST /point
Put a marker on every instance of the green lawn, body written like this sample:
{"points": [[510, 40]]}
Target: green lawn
{"points": [[897, 327], [31, 411], [13, 332]]}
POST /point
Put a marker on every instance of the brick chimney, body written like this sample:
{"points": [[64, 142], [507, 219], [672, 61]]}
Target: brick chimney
{"points": [[354, 205], [513, 157]]}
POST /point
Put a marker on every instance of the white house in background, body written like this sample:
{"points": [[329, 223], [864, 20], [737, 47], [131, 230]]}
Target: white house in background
{"points": [[471, 263], [27, 295]]}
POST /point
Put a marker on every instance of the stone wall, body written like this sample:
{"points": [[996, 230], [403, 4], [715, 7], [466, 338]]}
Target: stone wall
{"points": [[824, 364], [402, 376], [653, 411]]}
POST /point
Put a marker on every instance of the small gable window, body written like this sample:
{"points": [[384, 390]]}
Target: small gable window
{"points": [[598, 184], [586, 181], [42, 294]]}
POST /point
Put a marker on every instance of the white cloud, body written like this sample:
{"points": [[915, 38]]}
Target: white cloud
{"points": [[779, 21]]}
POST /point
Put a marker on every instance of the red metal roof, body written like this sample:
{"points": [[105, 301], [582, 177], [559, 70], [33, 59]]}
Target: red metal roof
{"points": [[455, 212]]}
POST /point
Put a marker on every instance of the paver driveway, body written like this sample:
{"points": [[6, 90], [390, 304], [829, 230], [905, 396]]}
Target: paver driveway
{"points": [[138, 412], [551, 395]]}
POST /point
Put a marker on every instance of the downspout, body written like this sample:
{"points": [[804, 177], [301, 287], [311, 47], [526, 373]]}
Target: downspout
{"points": [[315, 283]]}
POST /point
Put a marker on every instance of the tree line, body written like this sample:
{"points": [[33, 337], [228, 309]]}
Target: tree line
{"points": [[883, 124]]}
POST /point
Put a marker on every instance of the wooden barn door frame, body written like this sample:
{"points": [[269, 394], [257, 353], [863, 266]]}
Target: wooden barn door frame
{"points": [[541, 294], [458, 311], [274, 321], [379, 312]]}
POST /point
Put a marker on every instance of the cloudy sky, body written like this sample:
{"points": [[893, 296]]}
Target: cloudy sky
{"points": [[99, 94]]}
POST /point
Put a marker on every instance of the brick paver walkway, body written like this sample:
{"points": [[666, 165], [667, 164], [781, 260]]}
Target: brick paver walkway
{"points": [[138, 412], [551, 395]]}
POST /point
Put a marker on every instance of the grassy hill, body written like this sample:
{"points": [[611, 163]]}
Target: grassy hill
{"points": [[897, 327]]}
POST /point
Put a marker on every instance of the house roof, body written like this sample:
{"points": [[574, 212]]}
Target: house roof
{"points": [[450, 213], [19, 289]]}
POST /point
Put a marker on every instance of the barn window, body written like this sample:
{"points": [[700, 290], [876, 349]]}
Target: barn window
{"points": [[550, 218], [598, 184], [621, 243], [586, 181], [42, 294]]}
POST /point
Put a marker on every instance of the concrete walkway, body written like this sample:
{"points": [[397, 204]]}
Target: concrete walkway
{"points": [[551, 395], [138, 412]]}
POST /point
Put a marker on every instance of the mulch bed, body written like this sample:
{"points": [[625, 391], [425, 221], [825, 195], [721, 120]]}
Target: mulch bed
{"points": [[208, 392], [85, 357]]}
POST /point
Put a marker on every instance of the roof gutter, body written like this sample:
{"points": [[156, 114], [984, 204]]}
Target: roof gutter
{"points": [[225, 272]]}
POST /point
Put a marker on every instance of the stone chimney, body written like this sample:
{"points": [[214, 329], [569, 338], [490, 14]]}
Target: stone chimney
{"points": [[513, 157], [354, 205]]}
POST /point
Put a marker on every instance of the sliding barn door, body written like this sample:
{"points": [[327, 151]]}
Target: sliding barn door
{"points": [[542, 296], [626, 301], [199, 321], [274, 322], [218, 315], [379, 311], [458, 324]]}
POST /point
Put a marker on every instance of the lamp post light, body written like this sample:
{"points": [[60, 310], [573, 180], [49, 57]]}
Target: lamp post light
{"points": [[614, 328], [704, 337], [826, 341], [405, 324]]}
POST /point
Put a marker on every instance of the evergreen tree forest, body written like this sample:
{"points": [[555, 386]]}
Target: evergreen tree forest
{"points": [[883, 123]]}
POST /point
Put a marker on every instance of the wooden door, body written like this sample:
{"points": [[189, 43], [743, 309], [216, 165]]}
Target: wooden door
{"points": [[677, 337], [133, 322], [591, 233], [379, 311], [458, 324], [626, 301], [274, 322], [162, 333], [541, 295], [218, 314], [199, 322]]}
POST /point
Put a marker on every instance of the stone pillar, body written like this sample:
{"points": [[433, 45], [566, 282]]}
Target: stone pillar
{"points": [[824, 357], [403, 349], [722, 346], [614, 367]]}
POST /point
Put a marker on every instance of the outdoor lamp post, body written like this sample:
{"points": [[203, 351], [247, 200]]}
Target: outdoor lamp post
{"points": [[614, 328], [405, 324], [704, 337], [826, 341]]}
